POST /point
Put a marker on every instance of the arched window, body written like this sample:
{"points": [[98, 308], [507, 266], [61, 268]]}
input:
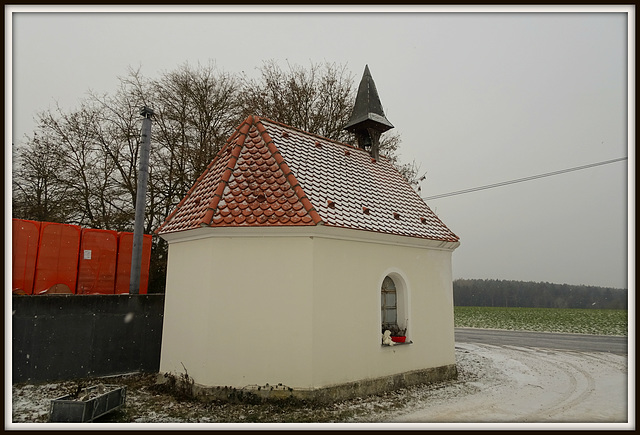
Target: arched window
{"points": [[389, 305], [394, 307]]}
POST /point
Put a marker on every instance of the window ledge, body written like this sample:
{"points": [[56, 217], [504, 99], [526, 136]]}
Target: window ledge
{"points": [[397, 344]]}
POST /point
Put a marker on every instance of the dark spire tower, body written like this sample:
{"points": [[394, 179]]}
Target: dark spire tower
{"points": [[367, 120]]}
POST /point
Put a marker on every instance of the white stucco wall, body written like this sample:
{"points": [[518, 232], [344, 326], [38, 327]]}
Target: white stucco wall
{"points": [[301, 307], [346, 309], [237, 311]]}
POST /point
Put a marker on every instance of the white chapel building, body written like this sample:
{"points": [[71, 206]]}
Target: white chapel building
{"points": [[291, 256]]}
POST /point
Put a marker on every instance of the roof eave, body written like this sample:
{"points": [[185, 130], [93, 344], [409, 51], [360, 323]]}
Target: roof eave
{"points": [[326, 231], [370, 120]]}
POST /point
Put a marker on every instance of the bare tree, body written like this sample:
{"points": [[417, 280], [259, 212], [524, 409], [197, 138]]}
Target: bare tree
{"points": [[87, 172], [196, 109], [318, 99], [118, 137], [38, 192]]}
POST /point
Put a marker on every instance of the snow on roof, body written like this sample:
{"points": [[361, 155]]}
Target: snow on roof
{"points": [[270, 174]]}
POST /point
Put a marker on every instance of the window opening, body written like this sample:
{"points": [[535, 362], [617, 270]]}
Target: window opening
{"points": [[393, 332], [389, 305]]}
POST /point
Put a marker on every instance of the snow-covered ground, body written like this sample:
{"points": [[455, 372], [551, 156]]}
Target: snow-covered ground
{"points": [[525, 385], [497, 385]]}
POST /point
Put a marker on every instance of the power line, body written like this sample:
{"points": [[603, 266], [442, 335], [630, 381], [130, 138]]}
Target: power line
{"points": [[520, 180]]}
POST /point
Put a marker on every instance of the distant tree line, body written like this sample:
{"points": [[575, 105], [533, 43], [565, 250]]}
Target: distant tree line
{"points": [[80, 166], [501, 293]]}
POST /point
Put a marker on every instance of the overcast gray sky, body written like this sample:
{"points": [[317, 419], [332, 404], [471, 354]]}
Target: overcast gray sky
{"points": [[478, 98]]}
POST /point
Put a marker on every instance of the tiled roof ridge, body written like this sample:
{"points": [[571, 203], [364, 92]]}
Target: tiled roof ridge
{"points": [[306, 133], [288, 173], [237, 139], [323, 138], [198, 180]]}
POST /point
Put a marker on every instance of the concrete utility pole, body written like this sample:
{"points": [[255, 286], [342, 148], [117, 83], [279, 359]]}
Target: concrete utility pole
{"points": [[143, 176]]}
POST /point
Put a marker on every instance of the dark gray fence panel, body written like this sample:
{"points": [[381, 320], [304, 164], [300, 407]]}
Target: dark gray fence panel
{"points": [[59, 337]]}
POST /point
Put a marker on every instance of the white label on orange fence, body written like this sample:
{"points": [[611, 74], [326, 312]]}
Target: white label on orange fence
{"points": [[87, 254]]}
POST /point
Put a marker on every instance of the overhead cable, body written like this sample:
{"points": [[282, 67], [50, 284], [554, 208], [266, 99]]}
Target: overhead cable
{"points": [[520, 180]]}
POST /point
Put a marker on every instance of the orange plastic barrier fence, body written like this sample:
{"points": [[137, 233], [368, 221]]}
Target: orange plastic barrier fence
{"points": [[50, 257], [24, 254], [57, 265], [97, 262], [125, 249]]}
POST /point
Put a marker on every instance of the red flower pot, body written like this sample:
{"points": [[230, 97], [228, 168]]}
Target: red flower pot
{"points": [[398, 339]]}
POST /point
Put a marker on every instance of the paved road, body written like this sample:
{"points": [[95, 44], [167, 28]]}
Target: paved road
{"points": [[546, 340]]}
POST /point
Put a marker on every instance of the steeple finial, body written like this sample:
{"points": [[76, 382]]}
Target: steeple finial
{"points": [[367, 120]]}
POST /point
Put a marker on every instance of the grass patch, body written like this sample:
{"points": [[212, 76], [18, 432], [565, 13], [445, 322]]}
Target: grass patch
{"points": [[577, 321]]}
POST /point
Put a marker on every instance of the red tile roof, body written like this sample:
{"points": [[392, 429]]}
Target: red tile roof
{"points": [[270, 174]]}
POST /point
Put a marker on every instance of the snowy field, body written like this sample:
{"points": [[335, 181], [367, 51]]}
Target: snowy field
{"points": [[571, 320], [498, 385]]}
